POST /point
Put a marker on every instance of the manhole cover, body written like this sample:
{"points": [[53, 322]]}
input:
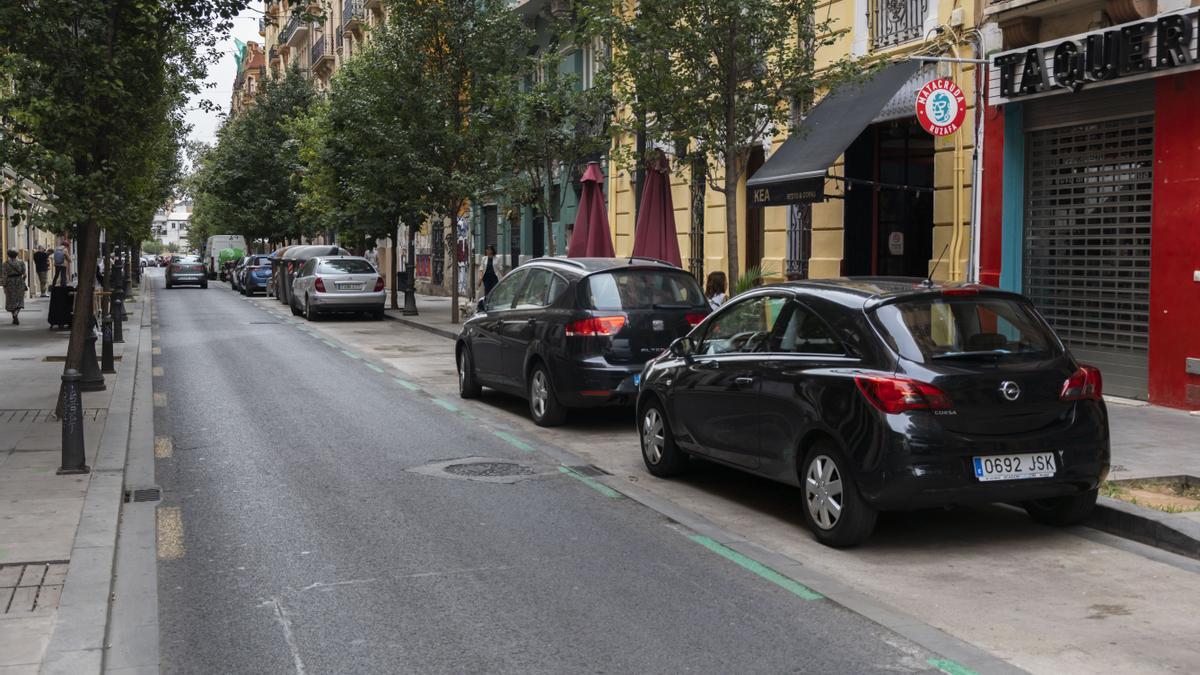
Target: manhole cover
{"points": [[489, 469], [484, 470]]}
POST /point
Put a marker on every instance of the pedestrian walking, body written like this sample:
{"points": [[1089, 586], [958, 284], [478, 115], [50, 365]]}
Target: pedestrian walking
{"points": [[372, 256], [14, 286], [62, 260], [714, 289], [41, 265], [488, 277]]}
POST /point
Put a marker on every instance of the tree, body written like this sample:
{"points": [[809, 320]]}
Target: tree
{"points": [[556, 123], [719, 77], [458, 60], [90, 110], [249, 183]]}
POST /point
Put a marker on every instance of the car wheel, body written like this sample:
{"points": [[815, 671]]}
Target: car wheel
{"points": [[377, 315], [544, 407], [309, 312], [204, 284], [662, 456], [1060, 511], [295, 310], [168, 284], [468, 386], [834, 510]]}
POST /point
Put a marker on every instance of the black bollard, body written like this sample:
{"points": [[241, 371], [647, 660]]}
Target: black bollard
{"points": [[91, 379], [74, 460], [410, 293], [106, 345], [118, 316]]}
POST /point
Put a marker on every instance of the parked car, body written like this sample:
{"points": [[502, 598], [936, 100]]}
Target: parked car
{"points": [[253, 274], [575, 333], [234, 271], [186, 270], [327, 284], [883, 394]]}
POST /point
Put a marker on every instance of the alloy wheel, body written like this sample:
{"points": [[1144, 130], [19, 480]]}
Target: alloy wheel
{"points": [[823, 492], [540, 393], [653, 439], [462, 371]]}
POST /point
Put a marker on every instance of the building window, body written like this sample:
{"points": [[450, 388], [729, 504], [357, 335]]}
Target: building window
{"points": [[895, 22], [592, 57]]}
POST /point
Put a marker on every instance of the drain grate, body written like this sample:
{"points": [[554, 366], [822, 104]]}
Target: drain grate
{"points": [[489, 469], [589, 470], [143, 495], [30, 587]]}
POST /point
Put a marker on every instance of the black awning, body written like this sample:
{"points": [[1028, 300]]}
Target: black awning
{"points": [[796, 172]]}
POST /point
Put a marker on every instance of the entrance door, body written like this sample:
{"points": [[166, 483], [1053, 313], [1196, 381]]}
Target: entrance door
{"points": [[888, 223], [1087, 242]]}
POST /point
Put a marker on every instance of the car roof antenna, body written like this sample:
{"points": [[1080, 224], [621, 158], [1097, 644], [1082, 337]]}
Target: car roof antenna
{"points": [[929, 279]]}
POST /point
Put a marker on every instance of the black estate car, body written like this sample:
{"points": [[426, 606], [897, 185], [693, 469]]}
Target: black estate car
{"points": [[575, 332], [882, 394]]}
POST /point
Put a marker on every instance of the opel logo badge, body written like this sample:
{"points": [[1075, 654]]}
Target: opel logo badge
{"points": [[1010, 390]]}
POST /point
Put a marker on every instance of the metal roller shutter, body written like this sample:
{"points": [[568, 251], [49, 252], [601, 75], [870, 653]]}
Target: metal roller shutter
{"points": [[1087, 242]]}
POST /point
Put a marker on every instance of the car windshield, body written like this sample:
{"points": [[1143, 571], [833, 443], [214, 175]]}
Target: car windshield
{"points": [[644, 289], [929, 330], [261, 262], [346, 266]]}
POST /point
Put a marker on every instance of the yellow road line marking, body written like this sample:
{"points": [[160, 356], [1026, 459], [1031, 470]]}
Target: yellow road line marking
{"points": [[156, 371], [160, 399], [170, 533], [156, 350], [163, 447]]}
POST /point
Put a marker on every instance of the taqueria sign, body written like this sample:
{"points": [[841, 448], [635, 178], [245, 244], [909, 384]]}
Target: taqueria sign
{"points": [[1162, 45]]}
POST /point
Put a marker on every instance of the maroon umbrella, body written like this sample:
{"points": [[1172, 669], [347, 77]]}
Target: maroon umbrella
{"points": [[654, 235], [591, 238]]}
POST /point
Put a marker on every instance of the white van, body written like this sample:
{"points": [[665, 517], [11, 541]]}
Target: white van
{"points": [[218, 243]]}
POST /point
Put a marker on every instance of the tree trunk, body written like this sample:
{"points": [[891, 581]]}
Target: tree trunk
{"points": [[548, 213], [452, 239], [88, 236], [731, 233]]}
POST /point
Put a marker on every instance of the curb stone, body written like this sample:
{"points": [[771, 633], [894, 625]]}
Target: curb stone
{"points": [[1174, 532]]}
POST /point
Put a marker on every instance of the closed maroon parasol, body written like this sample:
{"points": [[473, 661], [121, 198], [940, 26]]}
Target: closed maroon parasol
{"points": [[654, 235], [591, 238]]}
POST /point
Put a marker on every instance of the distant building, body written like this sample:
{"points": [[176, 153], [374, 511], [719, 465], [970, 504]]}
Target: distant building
{"points": [[251, 71], [170, 225]]}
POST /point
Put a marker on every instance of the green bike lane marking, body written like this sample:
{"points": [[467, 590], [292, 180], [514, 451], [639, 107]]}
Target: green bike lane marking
{"points": [[445, 404], [373, 367], [756, 567], [514, 441], [406, 384], [351, 354], [950, 667], [329, 343], [591, 482]]}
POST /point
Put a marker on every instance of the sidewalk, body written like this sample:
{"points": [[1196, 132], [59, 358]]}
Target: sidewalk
{"points": [[434, 315], [40, 512]]}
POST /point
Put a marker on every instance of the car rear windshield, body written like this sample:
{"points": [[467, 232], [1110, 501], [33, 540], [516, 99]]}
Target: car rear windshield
{"points": [[930, 330], [643, 289], [346, 266], [261, 262]]}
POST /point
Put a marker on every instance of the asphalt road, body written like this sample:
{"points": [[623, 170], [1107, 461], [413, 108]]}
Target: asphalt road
{"points": [[294, 537]]}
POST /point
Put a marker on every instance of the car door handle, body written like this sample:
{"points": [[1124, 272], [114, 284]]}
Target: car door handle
{"points": [[743, 381]]}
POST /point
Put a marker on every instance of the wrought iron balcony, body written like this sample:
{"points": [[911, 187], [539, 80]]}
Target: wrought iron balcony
{"points": [[354, 13], [895, 22], [262, 26], [272, 55], [295, 28], [321, 49]]}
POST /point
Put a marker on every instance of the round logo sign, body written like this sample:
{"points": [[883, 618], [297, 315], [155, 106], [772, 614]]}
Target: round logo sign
{"points": [[941, 107]]}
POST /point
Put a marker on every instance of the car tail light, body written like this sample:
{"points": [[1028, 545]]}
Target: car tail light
{"points": [[899, 394], [378, 284], [961, 291], [694, 318], [1083, 384], [595, 326], [320, 285]]}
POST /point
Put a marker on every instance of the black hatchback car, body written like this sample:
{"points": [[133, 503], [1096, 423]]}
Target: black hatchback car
{"points": [[575, 332], [882, 394]]}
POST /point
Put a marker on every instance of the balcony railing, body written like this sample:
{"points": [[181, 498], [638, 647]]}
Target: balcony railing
{"points": [[322, 48], [895, 22], [262, 26], [354, 12], [272, 55], [293, 25]]}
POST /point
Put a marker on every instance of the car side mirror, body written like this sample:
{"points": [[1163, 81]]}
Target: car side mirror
{"points": [[481, 305], [683, 347]]}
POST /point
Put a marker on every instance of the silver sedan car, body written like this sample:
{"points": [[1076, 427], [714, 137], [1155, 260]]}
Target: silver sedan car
{"points": [[328, 284]]}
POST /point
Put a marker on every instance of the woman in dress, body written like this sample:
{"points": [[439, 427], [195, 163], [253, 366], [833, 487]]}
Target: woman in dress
{"points": [[14, 286], [489, 278]]}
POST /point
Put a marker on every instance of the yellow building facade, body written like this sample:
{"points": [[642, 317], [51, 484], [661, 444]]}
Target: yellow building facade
{"points": [[903, 180]]}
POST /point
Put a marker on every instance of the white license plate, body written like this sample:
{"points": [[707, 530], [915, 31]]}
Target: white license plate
{"points": [[349, 287], [1015, 467]]}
